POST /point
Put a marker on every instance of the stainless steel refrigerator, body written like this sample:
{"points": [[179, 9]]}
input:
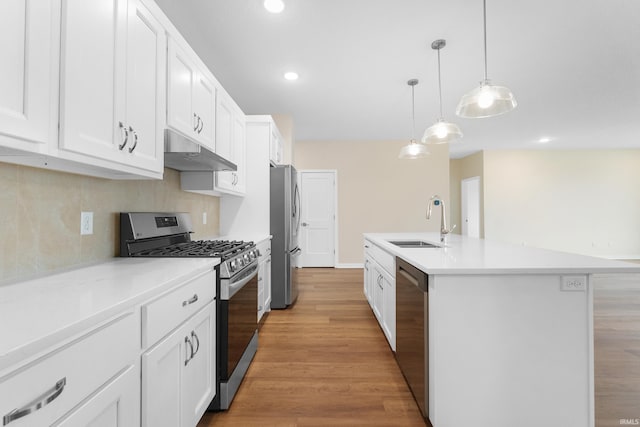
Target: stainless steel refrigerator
{"points": [[285, 225]]}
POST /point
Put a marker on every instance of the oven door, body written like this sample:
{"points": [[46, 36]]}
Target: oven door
{"points": [[241, 320]]}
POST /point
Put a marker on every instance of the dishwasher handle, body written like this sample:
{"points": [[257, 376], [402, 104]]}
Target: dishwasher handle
{"points": [[413, 275]]}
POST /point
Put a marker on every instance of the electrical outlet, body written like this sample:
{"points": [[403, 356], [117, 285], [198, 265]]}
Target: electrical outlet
{"points": [[86, 223], [204, 218], [574, 283]]}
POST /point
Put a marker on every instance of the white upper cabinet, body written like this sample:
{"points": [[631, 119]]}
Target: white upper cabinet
{"points": [[112, 78], [26, 45], [191, 98], [231, 141]]}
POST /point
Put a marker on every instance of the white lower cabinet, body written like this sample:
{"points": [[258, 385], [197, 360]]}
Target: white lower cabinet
{"points": [[77, 384], [380, 288], [178, 373], [264, 278], [117, 404]]}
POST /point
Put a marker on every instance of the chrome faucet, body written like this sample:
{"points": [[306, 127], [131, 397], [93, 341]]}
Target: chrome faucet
{"points": [[437, 201]]}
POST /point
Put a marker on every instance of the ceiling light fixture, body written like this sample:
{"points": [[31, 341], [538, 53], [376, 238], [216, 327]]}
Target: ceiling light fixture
{"points": [[487, 100], [274, 6], [413, 150], [544, 140], [441, 132], [291, 75]]}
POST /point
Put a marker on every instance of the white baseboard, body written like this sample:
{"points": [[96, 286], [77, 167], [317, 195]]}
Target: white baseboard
{"points": [[352, 265]]}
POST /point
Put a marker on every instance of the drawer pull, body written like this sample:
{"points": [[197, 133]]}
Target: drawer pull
{"points": [[38, 403], [190, 301]]}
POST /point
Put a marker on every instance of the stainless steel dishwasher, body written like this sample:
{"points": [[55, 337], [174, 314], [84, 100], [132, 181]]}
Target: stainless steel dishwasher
{"points": [[412, 331]]}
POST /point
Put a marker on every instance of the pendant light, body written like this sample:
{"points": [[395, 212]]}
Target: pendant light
{"points": [[413, 150], [441, 132], [487, 100]]}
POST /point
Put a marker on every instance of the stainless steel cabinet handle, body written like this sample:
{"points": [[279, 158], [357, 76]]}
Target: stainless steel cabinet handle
{"points": [[39, 402], [135, 140], [195, 121], [126, 136], [195, 337], [190, 301], [189, 354], [201, 124], [366, 264]]}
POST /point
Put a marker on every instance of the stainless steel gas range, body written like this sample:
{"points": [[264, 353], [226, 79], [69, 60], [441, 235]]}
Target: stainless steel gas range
{"points": [[162, 234]]}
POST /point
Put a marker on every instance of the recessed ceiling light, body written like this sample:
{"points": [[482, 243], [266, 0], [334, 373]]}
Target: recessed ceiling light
{"points": [[274, 6], [291, 75], [544, 140]]}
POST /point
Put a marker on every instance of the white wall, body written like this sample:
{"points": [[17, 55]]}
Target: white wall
{"points": [[586, 202], [377, 192]]}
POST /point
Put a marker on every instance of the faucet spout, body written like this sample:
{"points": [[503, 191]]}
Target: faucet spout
{"points": [[435, 200]]}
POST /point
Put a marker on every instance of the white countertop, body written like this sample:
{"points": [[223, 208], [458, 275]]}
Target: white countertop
{"points": [[465, 255], [40, 313]]}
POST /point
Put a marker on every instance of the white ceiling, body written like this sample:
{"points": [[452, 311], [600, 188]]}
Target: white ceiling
{"points": [[574, 66]]}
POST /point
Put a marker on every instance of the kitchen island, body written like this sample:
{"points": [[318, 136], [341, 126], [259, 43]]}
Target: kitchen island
{"points": [[509, 329]]}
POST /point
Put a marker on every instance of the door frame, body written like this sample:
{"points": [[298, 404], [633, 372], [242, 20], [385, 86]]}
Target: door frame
{"points": [[335, 208]]}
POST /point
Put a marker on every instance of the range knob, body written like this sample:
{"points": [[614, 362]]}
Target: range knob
{"points": [[232, 265], [252, 255], [239, 262], [246, 258], [257, 252]]}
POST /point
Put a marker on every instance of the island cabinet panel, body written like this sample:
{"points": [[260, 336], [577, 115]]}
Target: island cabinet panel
{"points": [[379, 288], [502, 345]]}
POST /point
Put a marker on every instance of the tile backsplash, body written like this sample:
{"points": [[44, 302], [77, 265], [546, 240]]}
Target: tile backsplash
{"points": [[40, 209]]}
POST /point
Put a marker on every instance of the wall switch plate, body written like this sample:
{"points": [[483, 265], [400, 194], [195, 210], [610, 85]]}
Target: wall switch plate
{"points": [[204, 218], [86, 223], [574, 283]]}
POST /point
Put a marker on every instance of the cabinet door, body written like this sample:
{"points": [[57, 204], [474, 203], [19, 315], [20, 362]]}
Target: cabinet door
{"points": [[178, 373], [378, 295], [224, 139], [368, 280], [25, 86], [198, 379], [92, 80], [146, 59], [204, 96], [275, 146], [180, 103], [262, 271], [162, 380], [267, 284], [239, 144], [116, 404], [389, 310]]}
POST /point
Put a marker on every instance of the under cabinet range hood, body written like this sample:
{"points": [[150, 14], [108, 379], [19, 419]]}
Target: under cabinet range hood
{"points": [[183, 154]]}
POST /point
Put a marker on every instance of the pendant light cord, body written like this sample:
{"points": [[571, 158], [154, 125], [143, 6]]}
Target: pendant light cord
{"points": [[413, 113], [484, 15], [440, 84]]}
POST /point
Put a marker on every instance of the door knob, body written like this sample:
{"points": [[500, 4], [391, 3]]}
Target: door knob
{"points": [[304, 224]]}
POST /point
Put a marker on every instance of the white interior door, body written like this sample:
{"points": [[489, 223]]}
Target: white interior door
{"points": [[317, 218], [470, 206]]}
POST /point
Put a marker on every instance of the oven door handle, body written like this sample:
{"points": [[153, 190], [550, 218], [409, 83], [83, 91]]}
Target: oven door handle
{"points": [[236, 286]]}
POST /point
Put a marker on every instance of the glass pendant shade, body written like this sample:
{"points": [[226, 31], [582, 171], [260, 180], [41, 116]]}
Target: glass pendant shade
{"points": [[442, 132], [485, 101], [413, 150]]}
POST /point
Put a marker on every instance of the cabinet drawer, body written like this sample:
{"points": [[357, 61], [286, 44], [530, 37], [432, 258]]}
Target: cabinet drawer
{"points": [[161, 316], [385, 259], [265, 250], [61, 380]]}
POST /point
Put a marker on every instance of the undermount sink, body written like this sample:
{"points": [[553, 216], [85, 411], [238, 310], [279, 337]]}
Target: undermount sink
{"points": [[413, 244]]}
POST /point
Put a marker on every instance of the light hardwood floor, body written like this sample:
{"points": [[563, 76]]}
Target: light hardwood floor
{"points": [[326, 362]]}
